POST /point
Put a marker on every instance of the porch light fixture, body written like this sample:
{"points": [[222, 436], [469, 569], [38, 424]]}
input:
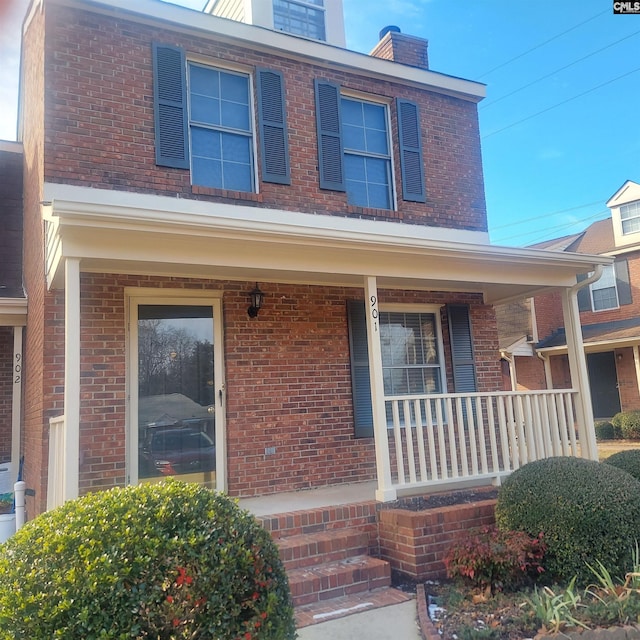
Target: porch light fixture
{"points": [[257, 297]]}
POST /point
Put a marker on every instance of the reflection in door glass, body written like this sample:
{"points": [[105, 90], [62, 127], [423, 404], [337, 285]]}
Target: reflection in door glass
{"points": [[176, 424]]}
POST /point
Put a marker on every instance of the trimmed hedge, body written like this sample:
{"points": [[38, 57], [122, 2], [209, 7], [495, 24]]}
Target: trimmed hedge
{"points": [[163, 561], [628, 424], [586, 511], [604, 431], [628, 461]]}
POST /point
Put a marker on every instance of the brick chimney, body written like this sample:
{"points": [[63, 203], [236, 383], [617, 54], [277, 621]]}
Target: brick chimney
{"points": [[397, 46]]}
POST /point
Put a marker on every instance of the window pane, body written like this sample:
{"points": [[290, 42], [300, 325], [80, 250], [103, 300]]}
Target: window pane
{"points": [[204, 81], [354, 168], [234, 88], [352, 112], [235, 116], [300, 17], [605, 299], [205, 110], [205, 143], [206, 172]]}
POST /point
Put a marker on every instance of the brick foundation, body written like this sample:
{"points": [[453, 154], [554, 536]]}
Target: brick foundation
{"points": [[415, 542]]}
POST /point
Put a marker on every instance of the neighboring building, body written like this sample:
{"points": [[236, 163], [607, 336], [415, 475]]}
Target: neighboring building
{"points": [[609, 314], [248, 251], [13, 311]]}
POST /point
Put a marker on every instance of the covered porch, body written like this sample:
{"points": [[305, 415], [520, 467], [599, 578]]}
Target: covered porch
{"points": [[423, 442]]}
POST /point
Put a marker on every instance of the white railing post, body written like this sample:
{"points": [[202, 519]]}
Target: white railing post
{"points": [[19, 490]]}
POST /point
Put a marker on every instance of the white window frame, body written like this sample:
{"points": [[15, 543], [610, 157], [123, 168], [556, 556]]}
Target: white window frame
{"points": [[321, 9], [632, 211], [238, 71], [140, 296], [610, 272], [359, 97]]}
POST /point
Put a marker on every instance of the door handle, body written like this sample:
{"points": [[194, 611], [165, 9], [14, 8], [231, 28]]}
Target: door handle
{"points": [[220, 396]]}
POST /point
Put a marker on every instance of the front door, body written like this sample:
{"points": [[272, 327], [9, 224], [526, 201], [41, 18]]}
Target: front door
{"points": [[603, 382], [177, 399]]}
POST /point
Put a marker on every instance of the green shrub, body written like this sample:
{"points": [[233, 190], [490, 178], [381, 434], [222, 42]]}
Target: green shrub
{"points": [[628, 461], [166, 561], [494, 559], [627, 424], [604, 431], [587, 512]]}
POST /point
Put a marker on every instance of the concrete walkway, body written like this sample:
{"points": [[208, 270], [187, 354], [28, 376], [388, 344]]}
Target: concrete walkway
{"points": [[395, 622]]}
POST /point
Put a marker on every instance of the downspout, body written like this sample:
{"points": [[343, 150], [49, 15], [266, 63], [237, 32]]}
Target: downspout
{"points": [[547, 368], [587, 281], [512, 368]]}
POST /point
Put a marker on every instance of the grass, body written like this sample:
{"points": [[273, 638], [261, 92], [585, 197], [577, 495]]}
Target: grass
{"points": [[607, 448]]}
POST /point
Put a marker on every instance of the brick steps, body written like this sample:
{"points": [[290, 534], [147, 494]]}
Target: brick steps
{"points": [[325, 553], [310, 549], [328, 580]]}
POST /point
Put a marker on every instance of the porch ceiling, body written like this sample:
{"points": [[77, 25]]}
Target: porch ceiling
{"points": [[117, 232]]}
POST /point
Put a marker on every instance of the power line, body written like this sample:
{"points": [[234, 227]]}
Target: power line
{"points": [[564, 226], [559, 104], [526, 86], [547, 215], [542, 44]]}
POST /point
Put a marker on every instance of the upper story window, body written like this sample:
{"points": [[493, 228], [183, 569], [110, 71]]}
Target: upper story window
{"points": [[220, 129], [630, 216], [354, 148], [610, 291], [300, 17], [604, 292], [204, 121], [367, 160]]}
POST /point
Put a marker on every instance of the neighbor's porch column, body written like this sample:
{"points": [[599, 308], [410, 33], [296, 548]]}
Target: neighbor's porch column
{"points": [[16, 402], [385, 491], [72, 377], [579, 375]]}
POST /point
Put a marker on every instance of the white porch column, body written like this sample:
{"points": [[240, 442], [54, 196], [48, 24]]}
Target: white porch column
{"points": [[72, 377], [385, 491], [579, 375], [636, 362], [16, 402]]}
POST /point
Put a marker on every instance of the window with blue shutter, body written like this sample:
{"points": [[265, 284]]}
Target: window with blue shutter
{"points": [[623, 283], [460, 338], [610, 291], [170, 106], [273, 127], [410, 151], [329, 128]]}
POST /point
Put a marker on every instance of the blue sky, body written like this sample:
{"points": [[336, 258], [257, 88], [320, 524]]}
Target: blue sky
{"points": [[560, 130]]}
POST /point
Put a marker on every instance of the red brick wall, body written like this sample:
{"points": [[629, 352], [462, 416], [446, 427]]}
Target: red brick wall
{"points": [[37, 388], [99, 87], [530, 373], [627, 380], [548, 314], [288, 382], [415, 542]]}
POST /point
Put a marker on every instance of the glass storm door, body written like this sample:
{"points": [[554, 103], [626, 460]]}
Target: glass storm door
{"points": [[179, 401]]}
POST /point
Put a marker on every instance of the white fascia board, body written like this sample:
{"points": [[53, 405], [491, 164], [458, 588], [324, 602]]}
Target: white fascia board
{"points": [[103, 208], [276, 42], [13, 312]]}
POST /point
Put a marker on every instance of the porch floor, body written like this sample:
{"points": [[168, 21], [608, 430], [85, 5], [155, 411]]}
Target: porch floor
{"points": [[310, 498]]}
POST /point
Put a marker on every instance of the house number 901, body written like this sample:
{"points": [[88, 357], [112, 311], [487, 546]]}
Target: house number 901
{"points": [[374, 312], [17, 369]]}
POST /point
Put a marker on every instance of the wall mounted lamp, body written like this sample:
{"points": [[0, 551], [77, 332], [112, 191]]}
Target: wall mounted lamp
{"points": [[256, 297]]}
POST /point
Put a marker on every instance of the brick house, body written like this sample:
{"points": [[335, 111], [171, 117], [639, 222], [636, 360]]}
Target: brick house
{"points": [[260, 261], [609, 314]]}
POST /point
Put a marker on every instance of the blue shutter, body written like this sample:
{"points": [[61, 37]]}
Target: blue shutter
{"points": [[584, 294], [273, 127], [464, 367], [410, 151], [170, 106], [623, 284], [360, 380], [329, 126]]}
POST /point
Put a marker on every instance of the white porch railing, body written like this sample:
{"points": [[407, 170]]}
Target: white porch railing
{"points": [[449, 439], [57, 462]]}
